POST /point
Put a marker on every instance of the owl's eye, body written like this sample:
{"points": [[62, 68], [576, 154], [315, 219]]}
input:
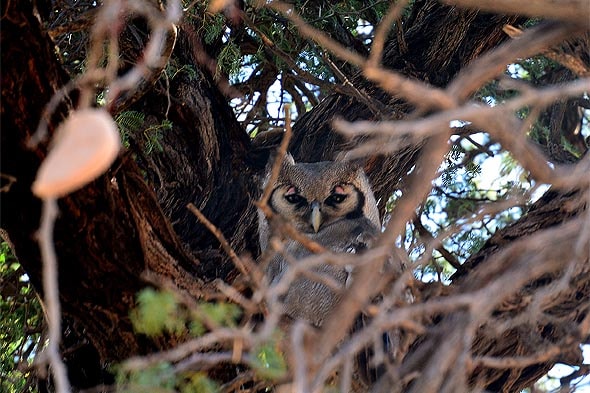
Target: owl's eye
{"points": [[294, 199], [336, 199]]}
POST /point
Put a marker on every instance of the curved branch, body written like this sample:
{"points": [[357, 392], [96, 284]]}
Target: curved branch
{"points": [[575, 11]]}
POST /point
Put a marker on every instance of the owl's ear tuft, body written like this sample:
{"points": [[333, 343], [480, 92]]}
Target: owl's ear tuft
{"points": [[287, 162], [289, 159]]}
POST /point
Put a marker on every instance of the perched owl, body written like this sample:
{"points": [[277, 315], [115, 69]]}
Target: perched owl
{"points": [[331, 203]]}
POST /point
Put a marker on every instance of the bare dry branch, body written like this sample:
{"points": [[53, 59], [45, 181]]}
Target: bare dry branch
{"points": [[492, 64], [577, 11], [51, 296], [240, 265], [392, 15]]}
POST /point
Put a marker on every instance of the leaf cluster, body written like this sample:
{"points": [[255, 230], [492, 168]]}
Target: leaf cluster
{"points": [[164, 313], [132, 124], [21, 318], [160, 312]]}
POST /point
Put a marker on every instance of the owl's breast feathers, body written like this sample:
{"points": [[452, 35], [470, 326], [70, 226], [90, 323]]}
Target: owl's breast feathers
{"points": [[310, 299]]}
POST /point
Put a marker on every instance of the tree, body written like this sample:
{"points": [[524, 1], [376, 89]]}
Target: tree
{"points": [[130, 228]]}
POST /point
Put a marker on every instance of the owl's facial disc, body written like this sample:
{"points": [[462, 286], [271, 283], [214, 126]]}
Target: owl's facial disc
{"points": [[299, 202], [311, 209]]}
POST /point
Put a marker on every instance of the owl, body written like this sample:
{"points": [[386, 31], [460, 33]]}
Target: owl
{"points": [[333, 205]]}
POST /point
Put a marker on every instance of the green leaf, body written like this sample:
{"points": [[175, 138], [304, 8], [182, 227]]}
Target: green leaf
{"points": [[156, 313], [196, 328], [199, 383], [214, 26], [229, 59], [224, 314], [159, 378], [129, 122], [269, 362]]}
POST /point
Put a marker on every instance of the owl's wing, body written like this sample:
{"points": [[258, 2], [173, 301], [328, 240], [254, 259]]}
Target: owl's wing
{"points": [[312, 301]]}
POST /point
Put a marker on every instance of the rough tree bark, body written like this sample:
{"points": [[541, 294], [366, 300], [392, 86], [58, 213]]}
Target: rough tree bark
{"points": [[118, 228]]}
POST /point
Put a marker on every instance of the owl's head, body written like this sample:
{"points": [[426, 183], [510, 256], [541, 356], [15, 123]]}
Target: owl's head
{"points": [[314, 195]]}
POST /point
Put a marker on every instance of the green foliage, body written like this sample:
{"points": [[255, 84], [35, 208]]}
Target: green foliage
{"points": [[21, 318], [212, 314], [157, 379], [159, 312], [156, 313], [534, 68], [220, 314], [129, 122], [174, 68], [268, 361], [213, 27], [198, 383], [196, 328], [153, 136], [162, 378], [229, 59]]}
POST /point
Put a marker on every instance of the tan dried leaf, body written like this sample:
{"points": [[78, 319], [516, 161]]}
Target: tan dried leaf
{"points": [[87, 144]]}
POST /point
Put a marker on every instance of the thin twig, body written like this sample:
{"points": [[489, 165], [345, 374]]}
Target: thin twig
{"points": [[393, 14], [235, 296], [218, 336], [575, 64], [222, 240], [493, 63], [575, 11], [51, 292], [276, 167], [421, 94], [11, 180], [300, 382]]}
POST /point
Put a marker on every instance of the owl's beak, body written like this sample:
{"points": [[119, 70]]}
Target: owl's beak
{"points": [[316, 216]]}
